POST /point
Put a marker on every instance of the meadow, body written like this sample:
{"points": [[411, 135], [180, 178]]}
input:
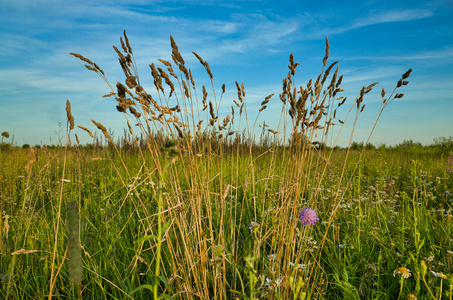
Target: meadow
{"points": [[191, 204]]}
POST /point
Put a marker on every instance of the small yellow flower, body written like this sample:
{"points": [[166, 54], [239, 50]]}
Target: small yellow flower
{"points": [[411, 297], [392, 244], [406, 273]]}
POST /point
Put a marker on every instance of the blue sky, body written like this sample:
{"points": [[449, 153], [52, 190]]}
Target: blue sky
{"points": [[244, 41]]}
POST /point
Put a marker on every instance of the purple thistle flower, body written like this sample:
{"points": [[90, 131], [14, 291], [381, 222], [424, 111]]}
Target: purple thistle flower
{"points": [[308, 216]]}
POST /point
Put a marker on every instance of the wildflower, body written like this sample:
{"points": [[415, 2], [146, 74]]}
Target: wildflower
{"points": [[406, 273], [272, 256], [298, 266], [392, 244], [308, 216], [341, 245], [254, 227], [439, 275], [449, 252], [411, 297], [273, 283]]}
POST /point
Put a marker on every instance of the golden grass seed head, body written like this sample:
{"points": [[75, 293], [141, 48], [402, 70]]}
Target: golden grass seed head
{"points": [[183, 69], [180, 133], [175, 52], [87, 130], [131, 81], [134, 112], [239, 92], [69, 115], [90, 68], [334, 78], [406, 75], [186, 89], [120, 55], [129, 48], [326, 57], [167, 80], [103, 129], [82, 58], [199, 58], [328, 72], [370, 87], [109, 95], [123, 45], [191, 79], [157, 77], [363, 107], [272, 131], [208, 70], [166, 63], [205, 95], [99, 125], [211, 110], [121, 90], [340, 79]]}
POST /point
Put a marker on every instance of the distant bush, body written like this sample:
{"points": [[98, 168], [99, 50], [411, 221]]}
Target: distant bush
{"points": [[443, 144], [357, 146]]}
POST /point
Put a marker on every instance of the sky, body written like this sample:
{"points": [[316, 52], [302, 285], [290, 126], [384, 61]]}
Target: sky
{"points": [[246, 41]]}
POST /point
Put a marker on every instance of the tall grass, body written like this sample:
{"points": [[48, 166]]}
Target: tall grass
{"points": [[190, 204]]}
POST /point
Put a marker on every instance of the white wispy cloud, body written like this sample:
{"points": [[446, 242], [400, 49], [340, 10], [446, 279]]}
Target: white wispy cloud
{"points": [[438, 54], [323, 26]]}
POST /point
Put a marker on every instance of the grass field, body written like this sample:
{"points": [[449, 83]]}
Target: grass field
{"points": [[189, 205]]}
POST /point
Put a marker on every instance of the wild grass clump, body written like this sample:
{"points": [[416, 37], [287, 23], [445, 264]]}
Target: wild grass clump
{"points": [[192, 204]]}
